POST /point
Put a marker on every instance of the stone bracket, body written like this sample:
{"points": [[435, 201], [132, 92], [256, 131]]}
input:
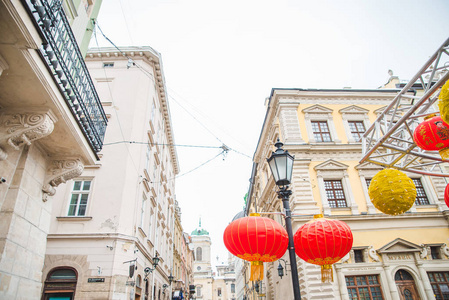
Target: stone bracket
{"points": [[60, 171], [17, 129]]}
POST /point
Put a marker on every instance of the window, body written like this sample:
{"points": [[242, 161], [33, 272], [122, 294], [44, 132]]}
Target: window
{"points": [[364, 287], [435, 252], [199, 253], [335, 194], [421, 197], [355, 122], [440, 284], [198, 291], [357, 129], [78, 200], [232, 288], [358, 256], [219, 292], [108, 65], [368, 182], [321, 131]]}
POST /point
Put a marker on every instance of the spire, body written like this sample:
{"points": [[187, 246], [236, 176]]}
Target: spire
{"points": [[200, 223]]}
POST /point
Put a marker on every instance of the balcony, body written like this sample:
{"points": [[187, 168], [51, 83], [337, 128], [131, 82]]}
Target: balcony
{"points": [[42, 72]]}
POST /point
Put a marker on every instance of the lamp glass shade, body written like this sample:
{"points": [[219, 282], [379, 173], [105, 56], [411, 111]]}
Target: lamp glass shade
{"points": [[155, 261], [280, 270], [281, 166]]}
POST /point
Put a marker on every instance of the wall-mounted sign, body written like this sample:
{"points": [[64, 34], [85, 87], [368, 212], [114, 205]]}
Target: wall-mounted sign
{"points": [[95, 279]]}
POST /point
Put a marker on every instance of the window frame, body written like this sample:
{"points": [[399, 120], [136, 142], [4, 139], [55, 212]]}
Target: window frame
{"points": [[80, 192], [356, 286], [334, 191], [437, 283], [320, 113], [321, 133], [354, 113], [422, 188], [334, 170], [357, 132]]}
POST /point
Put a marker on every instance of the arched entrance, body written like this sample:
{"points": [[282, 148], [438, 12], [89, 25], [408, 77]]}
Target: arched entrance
{"points": [[60, 284], [406, 286]]}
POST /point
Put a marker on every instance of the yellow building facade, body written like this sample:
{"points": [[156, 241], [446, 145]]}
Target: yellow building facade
{"points": [[393, 257]]}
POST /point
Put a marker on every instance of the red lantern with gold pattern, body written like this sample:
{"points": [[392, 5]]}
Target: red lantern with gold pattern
{"points": [[433, 135], [256, 239], [323, 242], [446, 195]]}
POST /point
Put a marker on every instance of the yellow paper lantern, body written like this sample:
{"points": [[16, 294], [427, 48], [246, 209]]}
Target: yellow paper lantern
{"points": [[392, 192], [443, 104]]}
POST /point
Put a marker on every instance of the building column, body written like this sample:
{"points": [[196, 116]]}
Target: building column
{"points": [[350, 196], [391, 284], [369, 205], [324, 202], [425, 281], [341, 283]]}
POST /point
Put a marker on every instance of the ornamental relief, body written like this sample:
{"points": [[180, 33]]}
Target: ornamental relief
{"points": [[60, 171], [17, 129]]}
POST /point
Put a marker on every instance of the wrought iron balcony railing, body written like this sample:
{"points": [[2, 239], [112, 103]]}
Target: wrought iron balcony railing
{"points": [[65, 61]]}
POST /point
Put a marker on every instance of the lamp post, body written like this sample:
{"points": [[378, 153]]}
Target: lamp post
{"points": [[281, 165]]}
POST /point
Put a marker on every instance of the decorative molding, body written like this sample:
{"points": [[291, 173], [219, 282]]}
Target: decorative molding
{"points": [[17, 129], [373, 254], [331, 165], [424, 252], [60, 171], [317, 109], [353, 109]]}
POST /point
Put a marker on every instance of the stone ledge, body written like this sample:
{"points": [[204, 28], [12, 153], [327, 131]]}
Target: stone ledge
{"points": [[74, 218]]}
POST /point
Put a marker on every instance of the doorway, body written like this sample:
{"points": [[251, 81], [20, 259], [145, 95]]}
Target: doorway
{"points": [[60, 284], [406, 286]]}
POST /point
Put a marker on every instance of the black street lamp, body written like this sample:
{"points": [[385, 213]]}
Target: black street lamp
{"points": [[281, 268], [148, 270], [281, 165]]}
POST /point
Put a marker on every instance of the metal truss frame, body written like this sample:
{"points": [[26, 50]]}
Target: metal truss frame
{"points": [[389, 140]]}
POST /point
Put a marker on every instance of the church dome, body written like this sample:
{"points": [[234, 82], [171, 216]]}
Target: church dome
{"points": [[200, 231]]}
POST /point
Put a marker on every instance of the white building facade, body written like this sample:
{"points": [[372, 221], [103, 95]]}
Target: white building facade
{"points": [[113, 222]]}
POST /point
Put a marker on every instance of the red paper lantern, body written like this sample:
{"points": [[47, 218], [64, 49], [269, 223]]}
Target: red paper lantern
{"points": [[256, 239], [433, 135], [446, 195], [323, 242]]}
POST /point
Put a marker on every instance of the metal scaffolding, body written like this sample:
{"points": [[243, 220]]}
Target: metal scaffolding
{"points": [[389, 140]]}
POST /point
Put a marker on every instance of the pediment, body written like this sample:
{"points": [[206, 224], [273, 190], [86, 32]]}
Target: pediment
{"points": [[354, 109], [317, 109], [380, 110], [369, 166], [331, 164], [399, 246]]}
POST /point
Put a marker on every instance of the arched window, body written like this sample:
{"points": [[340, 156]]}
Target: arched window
{"points": [[60, 282], [199, 253], [402, 275]]}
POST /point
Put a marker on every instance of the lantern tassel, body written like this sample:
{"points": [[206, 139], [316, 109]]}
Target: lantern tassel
{"points": [[256, 271], [326, 273]]}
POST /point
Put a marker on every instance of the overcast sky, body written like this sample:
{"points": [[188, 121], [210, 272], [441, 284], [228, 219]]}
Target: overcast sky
{"points": [[222, 58]]}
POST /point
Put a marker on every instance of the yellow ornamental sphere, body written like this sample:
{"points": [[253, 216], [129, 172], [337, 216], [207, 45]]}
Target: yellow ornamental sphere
{"points": [[392, 192], [443, 104]]}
